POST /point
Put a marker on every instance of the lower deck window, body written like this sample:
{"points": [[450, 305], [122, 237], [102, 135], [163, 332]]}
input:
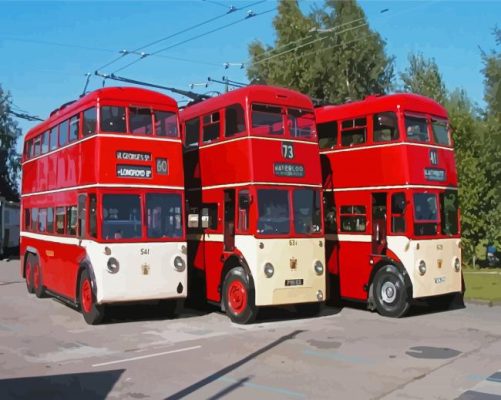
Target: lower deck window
{"points": [[353, 219]]}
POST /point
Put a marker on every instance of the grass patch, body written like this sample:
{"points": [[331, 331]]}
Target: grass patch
{"points": [[483, 285]]}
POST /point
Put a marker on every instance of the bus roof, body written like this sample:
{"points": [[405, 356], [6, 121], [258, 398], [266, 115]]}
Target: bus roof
{"points": [[133, 94], [252, 93], [373, 104]]}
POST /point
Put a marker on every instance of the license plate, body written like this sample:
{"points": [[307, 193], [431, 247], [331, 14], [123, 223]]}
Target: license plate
{"points": [[440, 279], [294, 282]]}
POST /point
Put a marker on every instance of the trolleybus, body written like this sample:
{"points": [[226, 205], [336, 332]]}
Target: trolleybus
{"points": [[103, 202], [391, 203], [253, 186]]}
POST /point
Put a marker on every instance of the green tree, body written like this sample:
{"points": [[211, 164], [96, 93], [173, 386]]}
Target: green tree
{"points": [[331, 54], [9, 158], [492, 79]]}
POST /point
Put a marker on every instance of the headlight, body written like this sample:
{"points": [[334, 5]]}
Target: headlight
{"points": [[269, 270], [179, 264], [113, 265], [319, 267], [422, 267], [457, 265]]}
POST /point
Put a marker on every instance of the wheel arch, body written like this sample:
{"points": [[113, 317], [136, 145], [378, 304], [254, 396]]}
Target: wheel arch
{"points": [[29, 250], [85, 264]]}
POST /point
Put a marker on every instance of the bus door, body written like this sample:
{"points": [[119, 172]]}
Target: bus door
{"points": [[229, 220], [379, 223]]}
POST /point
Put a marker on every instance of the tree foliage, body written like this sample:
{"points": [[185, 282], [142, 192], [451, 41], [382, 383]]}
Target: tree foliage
{"points": [[9, 159], [331, 54]]}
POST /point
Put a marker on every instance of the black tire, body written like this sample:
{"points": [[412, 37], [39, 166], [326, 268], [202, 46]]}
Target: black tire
{"points": [[308, 310], [238, 297], [93, 313], [390, 293], [28, 272], [38, 286], [167, 308]]}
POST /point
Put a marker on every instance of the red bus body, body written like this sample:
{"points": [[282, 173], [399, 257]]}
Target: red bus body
{"points": [[245, 150], [390, 192], [103, 179]]}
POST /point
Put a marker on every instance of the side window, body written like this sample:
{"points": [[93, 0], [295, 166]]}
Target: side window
{"points": [[34, 219], [60, 212], [354, 132], [353, 219], [89, 121], [71, 220], [63, 134], [82, 214], [327, 134], [208, 216], [398, 205], [234, 120], [140, 121], [42, 220], [385, 127], [45, 142], [330, 213], [50, 220], [243, 210], [27, 219], [211, 125], [53, 138], [37, 146], [74, 127], [92, 216], [113, 119], [192, 132]]}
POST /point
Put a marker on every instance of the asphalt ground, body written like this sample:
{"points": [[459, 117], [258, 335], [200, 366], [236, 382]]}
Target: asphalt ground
{"points": [[48, 351]]}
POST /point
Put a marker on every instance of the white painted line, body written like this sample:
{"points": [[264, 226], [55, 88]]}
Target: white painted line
{"points": [[146, 356]]}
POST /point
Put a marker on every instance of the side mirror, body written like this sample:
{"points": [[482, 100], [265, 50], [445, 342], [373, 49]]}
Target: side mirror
{"points": [[192, 220]]}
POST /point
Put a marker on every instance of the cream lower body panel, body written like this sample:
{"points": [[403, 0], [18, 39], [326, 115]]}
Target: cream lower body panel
{"points": [[438, 254], [279, 252], [146, 271]]}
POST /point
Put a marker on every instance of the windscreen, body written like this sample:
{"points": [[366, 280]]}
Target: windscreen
{"points": [[121, 216], [449, 213], [273, 209], [306, 211], [425, 214], [164, 215]]}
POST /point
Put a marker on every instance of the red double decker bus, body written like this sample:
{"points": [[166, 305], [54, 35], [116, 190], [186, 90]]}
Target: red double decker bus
{"points": [[253, 185], [391, 205], [103, 202]]}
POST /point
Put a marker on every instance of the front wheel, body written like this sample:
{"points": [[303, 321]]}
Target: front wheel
{"points": [[238, 297], [93, 313], [390, 293], [37, 279]]}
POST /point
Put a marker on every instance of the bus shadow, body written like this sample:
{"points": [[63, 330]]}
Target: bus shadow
{"points": [[86, 385], [427, 307], [289, 313]]}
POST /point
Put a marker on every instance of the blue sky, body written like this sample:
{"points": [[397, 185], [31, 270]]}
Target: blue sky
{"points": [[47, 47]]}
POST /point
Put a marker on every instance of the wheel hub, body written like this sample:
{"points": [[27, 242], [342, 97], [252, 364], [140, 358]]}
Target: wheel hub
{"points": [[388, 292], [237, 296]]}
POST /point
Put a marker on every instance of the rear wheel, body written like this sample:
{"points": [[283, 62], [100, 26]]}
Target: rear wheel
{"points": [[93, 313], [28, 272], [37, 279], [390, 293], [238, 297]]}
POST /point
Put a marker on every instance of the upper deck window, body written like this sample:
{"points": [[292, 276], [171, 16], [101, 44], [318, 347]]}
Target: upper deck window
{"points": [[440, 131], [211, 127], [63, 133], [234, 120], [113, 119], [327, 134], [301, 123], [192, 128], [45, 142], [89, 121], [385, 127], [166, 124], [140, 121], [267, 120], [53, 138], [416, 128], [354, 131], [74, 127], [37, 146]]}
